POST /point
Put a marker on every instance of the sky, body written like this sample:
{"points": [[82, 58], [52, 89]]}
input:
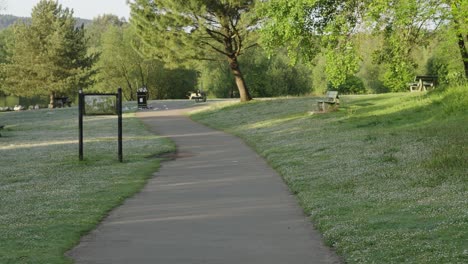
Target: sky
{"points": [[87, 9]]}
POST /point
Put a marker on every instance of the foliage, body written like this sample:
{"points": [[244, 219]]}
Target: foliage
{"points": [[309, 27], [266, 76], [216, 79], [288, 24], [454, 99], [383, 178], [6, 38], [319, 75], [445, 61], [120, 65], [352, 85], [274, 76], [9, 20], [405, 26], [98, 26], [180, 32], [48, 57], [458, 10], [370, 72]]}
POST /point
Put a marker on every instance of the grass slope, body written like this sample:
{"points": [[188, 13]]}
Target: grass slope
{"points": [[48, 199], [384, 178]]}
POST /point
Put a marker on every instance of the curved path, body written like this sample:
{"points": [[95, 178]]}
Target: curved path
{"points": [[217, 202]]}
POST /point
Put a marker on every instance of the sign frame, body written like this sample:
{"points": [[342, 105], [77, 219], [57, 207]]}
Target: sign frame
{"points": [[82, 113]]}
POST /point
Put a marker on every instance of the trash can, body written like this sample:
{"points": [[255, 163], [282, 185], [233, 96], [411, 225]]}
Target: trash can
{"points": [[142, 98]]}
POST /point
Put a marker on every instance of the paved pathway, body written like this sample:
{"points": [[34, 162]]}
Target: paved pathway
{"points": [[217, 202]]}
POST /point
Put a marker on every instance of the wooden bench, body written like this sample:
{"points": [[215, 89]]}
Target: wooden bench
{"points": [[423, 82], [331, 99], [62, 102], [197, 96]]}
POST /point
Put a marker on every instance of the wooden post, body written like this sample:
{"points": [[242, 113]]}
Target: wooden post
{"points": [[80, 122], [119, 113]]}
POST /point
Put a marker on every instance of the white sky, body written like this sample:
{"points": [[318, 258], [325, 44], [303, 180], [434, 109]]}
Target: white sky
{"points": [[87, 9]]}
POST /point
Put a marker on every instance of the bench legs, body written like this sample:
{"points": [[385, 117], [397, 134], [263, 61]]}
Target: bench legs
{"points": [[323, 106]]}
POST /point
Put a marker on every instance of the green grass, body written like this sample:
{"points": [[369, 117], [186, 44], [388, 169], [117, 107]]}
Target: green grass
{"points": [[48, 199], [384, 178]]}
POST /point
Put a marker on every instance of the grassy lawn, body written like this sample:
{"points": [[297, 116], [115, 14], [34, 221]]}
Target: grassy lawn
{"points": [[48, 199], [384, 178]]}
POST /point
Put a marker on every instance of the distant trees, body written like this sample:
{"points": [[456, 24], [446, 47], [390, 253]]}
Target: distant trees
{"points": [[178, 31], [267, 77], [8, 20], [49, 56], [308, 28], [400, 28], [285, 48], [98, 27], [458, 16], [120, 65]]}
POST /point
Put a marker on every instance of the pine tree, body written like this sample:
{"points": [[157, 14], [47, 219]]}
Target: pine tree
{"points": [[49, 56], [177, 31]]}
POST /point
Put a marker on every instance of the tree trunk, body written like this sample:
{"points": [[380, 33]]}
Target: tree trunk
{"points": [[240, 82], [52, 100], [464, 53]]}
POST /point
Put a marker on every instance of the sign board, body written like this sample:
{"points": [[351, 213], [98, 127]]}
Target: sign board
{"points": [[100, 104]]}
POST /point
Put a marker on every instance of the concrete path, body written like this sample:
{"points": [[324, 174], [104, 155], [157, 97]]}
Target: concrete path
{"points": [[217, 202]]}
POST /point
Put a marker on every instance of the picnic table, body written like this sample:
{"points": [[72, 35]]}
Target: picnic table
{"points": [[422, 83]]}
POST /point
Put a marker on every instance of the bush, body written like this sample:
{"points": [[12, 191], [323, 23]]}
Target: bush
{"points": [[455, 99], [352, 85]]}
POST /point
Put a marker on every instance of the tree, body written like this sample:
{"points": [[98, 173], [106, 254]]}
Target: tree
{"points": [[99, 25], [404, 26], [120, 65], [178, 31], [310, 27], [458, 15], [6, 38], [49, 56]]}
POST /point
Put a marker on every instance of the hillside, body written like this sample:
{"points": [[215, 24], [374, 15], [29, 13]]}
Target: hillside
{"points": [[8, 20]]}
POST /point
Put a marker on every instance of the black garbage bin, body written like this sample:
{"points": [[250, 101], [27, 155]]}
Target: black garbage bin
{"points": [[142, 97]]}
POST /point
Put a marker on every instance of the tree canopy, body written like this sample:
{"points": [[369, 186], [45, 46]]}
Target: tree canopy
{"points": [[49, 56], [121, 66], [178, 31], [175, 46], [310, 27]]}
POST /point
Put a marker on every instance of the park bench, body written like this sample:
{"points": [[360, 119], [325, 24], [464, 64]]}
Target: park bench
{"points": [[197, 96], [331, 99], [423, 82]]}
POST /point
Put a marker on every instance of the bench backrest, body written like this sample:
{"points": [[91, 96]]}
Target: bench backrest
{"points": [[332, 95]]}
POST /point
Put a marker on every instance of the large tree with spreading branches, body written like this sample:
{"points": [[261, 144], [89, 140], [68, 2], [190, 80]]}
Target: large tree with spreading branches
{"points": [[180, 32]]}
